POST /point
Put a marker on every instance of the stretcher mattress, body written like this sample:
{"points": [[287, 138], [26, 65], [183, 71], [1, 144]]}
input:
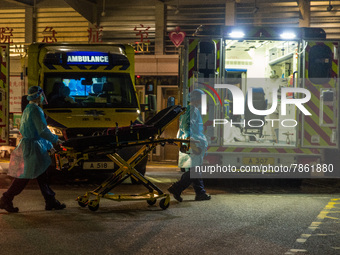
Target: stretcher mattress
{"points": [[122, 136]]}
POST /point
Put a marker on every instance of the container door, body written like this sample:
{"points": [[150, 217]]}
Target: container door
{"points": [[4, 93], [321, 73]]}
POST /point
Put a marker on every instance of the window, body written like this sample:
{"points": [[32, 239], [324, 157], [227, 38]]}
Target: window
{"points": [[320, 63], [100, 90]]}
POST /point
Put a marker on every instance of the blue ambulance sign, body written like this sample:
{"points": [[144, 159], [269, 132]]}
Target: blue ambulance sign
{"points": [[87, 58]]}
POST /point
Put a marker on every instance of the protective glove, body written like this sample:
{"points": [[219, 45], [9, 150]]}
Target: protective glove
{"points": [[52, 151], [60, 142], [195, 149]]}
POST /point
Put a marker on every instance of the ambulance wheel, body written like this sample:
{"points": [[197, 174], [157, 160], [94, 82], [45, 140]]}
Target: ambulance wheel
{"points": [[151, 201], [93, 205], [163, 204]]}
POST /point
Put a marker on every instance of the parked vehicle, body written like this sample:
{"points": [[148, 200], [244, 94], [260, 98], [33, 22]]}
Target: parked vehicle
{"points": [[89, 89], [262, 122]]}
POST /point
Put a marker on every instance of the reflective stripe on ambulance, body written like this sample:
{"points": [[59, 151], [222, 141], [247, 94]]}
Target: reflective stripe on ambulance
{"points": [[313, 133], [221, 149]]}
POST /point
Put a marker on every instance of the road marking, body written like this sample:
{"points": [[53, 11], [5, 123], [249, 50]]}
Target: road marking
{"points": [[161, 179], [325, 234], [294, 251], [316, 224]]}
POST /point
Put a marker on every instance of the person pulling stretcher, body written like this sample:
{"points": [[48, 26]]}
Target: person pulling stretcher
{"points": [[191, 126]]}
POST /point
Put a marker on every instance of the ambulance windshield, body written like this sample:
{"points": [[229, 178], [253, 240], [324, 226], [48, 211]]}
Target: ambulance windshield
{"points": [[100, 90]]}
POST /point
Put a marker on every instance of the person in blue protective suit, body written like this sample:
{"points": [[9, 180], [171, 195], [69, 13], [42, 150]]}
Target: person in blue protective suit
{"points": [[191, 126], [30, 159]]}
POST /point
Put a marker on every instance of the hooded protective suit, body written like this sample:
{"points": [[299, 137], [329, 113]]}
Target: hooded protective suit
{"points": [[30, 159], [191, 126]]}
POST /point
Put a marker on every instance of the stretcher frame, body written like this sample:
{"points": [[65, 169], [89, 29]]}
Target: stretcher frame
{"points": [[126, 169]]}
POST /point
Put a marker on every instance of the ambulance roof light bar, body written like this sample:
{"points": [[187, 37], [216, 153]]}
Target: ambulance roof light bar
{"points": [[236, 34], [288, 35], [269, 33]]}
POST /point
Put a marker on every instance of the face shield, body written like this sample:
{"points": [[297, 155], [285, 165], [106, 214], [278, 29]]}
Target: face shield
{"points": [[43, 99], [36, 93], [195, 97]]}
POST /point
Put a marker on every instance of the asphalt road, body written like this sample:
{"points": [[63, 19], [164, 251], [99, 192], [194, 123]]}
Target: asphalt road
{"points": [[243, 217]]}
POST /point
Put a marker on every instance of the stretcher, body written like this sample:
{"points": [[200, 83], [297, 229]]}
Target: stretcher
{"points": [[146, 136]]}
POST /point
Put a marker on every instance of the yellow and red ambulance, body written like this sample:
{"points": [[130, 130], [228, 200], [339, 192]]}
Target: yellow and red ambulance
{"points": [[288, 74]]}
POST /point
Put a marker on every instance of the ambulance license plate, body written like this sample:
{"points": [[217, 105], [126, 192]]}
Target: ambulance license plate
{"points": [[98, 165], [258, 161]]}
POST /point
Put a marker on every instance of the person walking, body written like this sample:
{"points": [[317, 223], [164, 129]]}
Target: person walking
{"points": [[31, 158], [191, 126]]}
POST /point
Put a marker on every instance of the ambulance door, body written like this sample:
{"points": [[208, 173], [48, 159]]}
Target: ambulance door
{"points": [[4, 93], [208, 67], [164, 92], [321, 73]]}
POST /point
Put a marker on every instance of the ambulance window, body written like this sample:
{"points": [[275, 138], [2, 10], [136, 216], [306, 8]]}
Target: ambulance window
{"points": [[320, 63], [99, 90]]}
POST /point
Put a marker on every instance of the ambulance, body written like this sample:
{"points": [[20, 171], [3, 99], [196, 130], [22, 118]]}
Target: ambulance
{"points": [[4, 96], [271, 98], [89, 89]]}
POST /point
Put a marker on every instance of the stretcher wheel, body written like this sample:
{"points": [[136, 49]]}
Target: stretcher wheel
{"points": [[164, 204], [81, 204], [93, 205], [94, 208], [82, 201], [151, 201]]}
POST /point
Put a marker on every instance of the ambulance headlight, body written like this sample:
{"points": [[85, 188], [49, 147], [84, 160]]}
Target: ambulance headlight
{"points": [[288, 35], [236, 34], [56, 131]]}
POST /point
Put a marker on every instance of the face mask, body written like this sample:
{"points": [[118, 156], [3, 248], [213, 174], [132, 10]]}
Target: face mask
{"points": [[42, 99]]}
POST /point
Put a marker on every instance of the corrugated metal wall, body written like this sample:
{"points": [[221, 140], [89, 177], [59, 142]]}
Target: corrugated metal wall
{"points": [[328, 20], [13, 19], [268, 13], [286, 13], [69, 24], [273, 13], [120, 21], [189, 18], [121, 18]]}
